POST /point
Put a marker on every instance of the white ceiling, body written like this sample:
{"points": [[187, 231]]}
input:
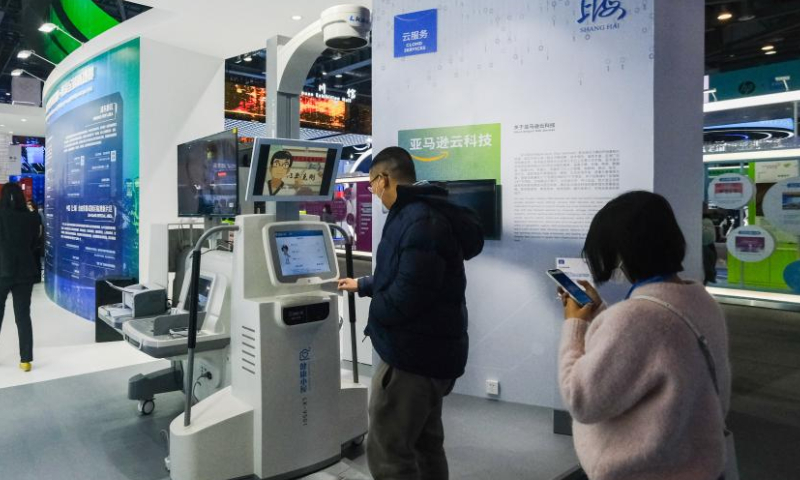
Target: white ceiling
{"points": [[21, 120], [227, 28], [217, 28]]}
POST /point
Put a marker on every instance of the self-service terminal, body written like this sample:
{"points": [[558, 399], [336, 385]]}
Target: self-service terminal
{"points": [[287, 411]]}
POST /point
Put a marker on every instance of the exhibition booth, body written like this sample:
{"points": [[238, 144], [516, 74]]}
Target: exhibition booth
{"points": [[750, 153], [534, 114]]}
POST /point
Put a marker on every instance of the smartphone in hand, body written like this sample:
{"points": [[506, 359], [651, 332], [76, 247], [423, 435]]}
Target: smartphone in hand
{"points": [[573, 289]]}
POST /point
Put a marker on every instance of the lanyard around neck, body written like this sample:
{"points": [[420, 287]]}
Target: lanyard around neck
{"points": [[656, 279]]}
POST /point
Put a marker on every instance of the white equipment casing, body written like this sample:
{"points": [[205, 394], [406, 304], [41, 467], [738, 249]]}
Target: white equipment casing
{"points": [[286, 413]]}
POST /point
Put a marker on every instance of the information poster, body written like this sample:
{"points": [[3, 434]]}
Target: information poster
{"points": [[470, 152], [751, 243], [730, 191], [92, 189], [781, 205], [363, 217]]}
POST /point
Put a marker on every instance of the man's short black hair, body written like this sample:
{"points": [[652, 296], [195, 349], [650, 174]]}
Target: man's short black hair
{"points": [[282, 155], [638, 229], [397, 163]]}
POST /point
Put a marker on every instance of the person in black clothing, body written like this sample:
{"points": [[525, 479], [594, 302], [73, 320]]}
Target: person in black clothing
{"points": [[417, 318], [38, 252], [19, 236]]}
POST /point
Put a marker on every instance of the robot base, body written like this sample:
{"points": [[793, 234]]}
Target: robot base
{"points": [[218, 445]]}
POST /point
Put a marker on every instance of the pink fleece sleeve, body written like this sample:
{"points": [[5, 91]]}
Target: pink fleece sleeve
{"points": [[619, 367]]}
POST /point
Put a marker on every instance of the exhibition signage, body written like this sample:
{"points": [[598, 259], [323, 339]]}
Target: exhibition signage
{"points": [[750, 243], [730, 191], [415, 33], [774, 172], [92, 194], [781, 205], [469, 152], [363, 217]]}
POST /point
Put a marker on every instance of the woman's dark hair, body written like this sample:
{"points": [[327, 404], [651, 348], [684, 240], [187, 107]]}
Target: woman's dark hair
{"points": [[638, 229], [12, 198]]}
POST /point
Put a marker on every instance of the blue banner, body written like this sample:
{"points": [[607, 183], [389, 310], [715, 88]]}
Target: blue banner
{"points": [[415, 33], [92, 189]]}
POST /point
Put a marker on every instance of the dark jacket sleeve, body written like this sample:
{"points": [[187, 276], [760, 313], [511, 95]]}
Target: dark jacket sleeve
{"points": [[420, 274], [365, 286]]}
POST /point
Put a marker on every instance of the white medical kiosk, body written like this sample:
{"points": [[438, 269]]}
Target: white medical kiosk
{"points": [[287, 411]]}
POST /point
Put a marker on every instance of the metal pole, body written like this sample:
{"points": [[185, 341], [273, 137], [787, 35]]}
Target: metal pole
{"points": [[351, 297], [192, 333]]}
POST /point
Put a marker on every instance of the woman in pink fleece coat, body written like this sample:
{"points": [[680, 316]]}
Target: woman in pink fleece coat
{"points": [[632, 374]]}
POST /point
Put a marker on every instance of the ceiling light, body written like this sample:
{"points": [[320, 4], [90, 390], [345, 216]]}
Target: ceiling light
{"points": [[248, 58], [296, 17], [767, 48], [24, 119], [24, 54], [8, 94], [338, 75], [724, 16], [1, 126], [324, 73], [747, 17], [50, 27], [16, 72], [771, 52]]}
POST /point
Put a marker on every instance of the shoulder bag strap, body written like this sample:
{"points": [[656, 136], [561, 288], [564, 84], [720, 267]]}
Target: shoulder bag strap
{"points": [[701, 339]]}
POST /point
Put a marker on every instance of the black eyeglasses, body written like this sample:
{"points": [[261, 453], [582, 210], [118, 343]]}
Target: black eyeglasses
{"points": [[373, 180]]}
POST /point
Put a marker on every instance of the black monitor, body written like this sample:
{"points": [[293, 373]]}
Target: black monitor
{"points": [[292, 170], [208, 177], [483, 196]]}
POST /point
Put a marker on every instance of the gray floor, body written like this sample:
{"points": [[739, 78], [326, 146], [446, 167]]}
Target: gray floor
{"points": [[765, 406], [84, 428]]}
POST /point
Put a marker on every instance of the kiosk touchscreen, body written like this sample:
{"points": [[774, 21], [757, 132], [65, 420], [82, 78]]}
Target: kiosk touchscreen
{"points": [[300, 253], [292, 170]]}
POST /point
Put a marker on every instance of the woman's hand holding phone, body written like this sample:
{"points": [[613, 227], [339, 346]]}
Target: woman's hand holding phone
{"points": [[573, 310]]}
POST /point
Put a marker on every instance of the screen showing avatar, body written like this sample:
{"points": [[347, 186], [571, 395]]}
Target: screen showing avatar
{"points": [[287, 171], [302, 252]]}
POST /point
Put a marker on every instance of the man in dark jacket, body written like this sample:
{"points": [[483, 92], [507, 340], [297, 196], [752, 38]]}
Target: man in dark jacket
{"points": [[417, 318]]}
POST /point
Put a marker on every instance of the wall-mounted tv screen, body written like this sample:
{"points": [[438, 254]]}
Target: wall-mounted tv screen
{"points": [[483, 196], [208, 177]]}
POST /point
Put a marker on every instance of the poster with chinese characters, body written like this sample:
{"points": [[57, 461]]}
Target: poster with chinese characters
{"points": [[415, 33], [470, 152]]}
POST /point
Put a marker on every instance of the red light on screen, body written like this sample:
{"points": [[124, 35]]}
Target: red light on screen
{"points": [[222, 174]]}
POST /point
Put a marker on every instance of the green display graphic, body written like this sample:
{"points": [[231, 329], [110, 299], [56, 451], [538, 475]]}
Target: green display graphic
{"points": [[470, 152], [766, 274], [83, 20]]}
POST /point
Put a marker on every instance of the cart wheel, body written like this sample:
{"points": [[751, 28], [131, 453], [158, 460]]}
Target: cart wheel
{"points": [[146, 407]]}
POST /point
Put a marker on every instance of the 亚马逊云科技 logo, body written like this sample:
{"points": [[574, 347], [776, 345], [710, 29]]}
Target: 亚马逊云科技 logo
{"points": [[598, 10]]}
